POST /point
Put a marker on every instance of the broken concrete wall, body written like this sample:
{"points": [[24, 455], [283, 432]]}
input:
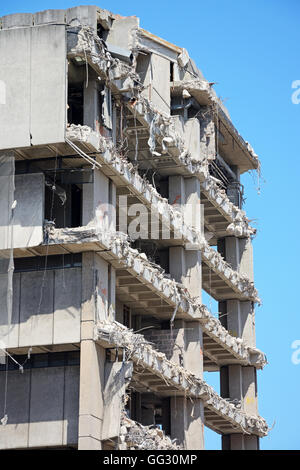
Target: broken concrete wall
{"points": [[202, 90], [117, 376], [122, 32], [98, 289], [84, 15]]}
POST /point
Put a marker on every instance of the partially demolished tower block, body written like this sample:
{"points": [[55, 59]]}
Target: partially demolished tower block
{"points": [[120, 201]]}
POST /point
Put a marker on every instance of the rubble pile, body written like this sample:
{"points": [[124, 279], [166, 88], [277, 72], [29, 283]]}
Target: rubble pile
{"points": [[135, 436]]}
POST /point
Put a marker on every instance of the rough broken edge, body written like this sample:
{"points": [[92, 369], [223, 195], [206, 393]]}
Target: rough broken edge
{"points": [[137, 262], [141, 352]]}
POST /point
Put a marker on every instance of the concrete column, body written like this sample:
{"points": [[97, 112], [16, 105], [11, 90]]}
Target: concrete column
{"points": [[193, 361], [185, 264], [239, 253], [94, 200], [91, 101], [99, 202], [179, 342], [239, 382], [187, 417], [92, 363], [97, 296], [207, 135], [241, 320], [177, 190], [233, 189], [193, 202], [240, 442]]}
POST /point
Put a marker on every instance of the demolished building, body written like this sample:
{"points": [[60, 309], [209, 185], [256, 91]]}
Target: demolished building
{"points": [[106, 130]]}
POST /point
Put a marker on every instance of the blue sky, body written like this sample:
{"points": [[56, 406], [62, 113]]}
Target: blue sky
{"points": [[251, 49]]}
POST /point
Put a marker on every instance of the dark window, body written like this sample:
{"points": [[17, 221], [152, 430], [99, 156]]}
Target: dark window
{"points": [[64, 212], [38, 263], [55, 359], [127, 316], [171, 71], [75, 103]]}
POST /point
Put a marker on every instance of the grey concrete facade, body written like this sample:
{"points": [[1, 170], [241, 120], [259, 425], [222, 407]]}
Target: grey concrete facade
{"points": [[124, 207]]}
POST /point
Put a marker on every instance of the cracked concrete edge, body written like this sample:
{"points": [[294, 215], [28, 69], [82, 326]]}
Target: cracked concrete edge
{"points": [[142, 353], [202, 85], [238, 282], [150, 273], [163, 126]]}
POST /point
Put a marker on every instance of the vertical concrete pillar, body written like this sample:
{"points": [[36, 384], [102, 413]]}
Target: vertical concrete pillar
{"points": [[187, 417], [98, 300], [193, 202], [208, 139], [95, 198], [92, 362], [91, 100], [112, 205], [99, 203], [185, 264], [240, 442], [233, 189], [239, 382], [179, 342], [177, 191]]}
